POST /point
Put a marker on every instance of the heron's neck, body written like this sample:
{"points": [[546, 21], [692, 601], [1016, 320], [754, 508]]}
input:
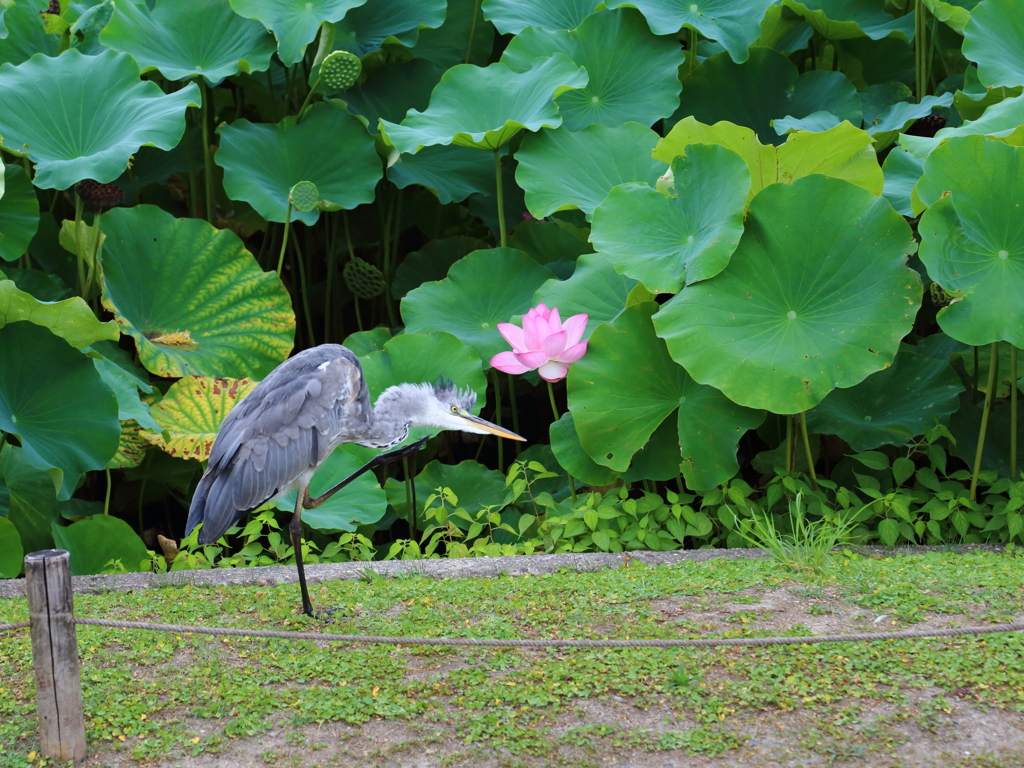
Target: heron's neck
{"points": [[397, 409]]}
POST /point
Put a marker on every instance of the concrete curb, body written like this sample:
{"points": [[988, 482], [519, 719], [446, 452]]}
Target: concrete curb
{"points": [[461, 568]]}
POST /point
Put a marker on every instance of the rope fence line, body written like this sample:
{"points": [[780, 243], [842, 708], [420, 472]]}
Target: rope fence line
{"points": [[14, 626], [500, 643]]}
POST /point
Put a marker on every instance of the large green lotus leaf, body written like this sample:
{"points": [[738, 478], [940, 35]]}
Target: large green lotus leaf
{"points": [[992, 39], [19, 212], [97, 541], [52, 397], [362, 502], [783, 30], [191, 412], [1001, 121], [130, 406], [972, 237], [668, 241], [844, 152], [475, 486], [902, 170], [955, 13], [561, 169], [555, 244], [845, 19], [633, 73], [26, 36], [816, 296], [973, 98], [889, 124], [565, 445], [484, 107], [451, 172], [626, 385], [394, 89], [966, 424], [481, 290], [81, 117], [425, 358], [188, 38], [293, 22], [363, 343], [594, 288], [195, 301], [765, 87], [263, 162], [1002, 384], [735, 25], [11, 551], [431, 263], [892, 406], [513, 16], [42, 285], [660, 459], [464, 33], [365, 28], [27, 499], [71, 319]]}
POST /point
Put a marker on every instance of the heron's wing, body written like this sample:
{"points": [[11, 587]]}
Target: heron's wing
{"points": [[285, 427]]}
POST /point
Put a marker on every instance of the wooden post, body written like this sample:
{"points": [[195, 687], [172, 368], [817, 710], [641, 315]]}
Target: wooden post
{"points": [[55, 655]]}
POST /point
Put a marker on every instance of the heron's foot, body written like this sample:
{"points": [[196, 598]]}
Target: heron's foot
{"points": [[320, 614]]}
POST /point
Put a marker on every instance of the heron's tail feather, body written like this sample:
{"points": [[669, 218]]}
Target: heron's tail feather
{"points": [[212, 506]]}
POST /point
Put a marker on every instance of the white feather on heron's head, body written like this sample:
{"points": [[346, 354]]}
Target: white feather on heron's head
{"points": [[438, 406]]}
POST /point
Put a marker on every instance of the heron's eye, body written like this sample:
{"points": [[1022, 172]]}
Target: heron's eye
{"points": [[455, 409]]}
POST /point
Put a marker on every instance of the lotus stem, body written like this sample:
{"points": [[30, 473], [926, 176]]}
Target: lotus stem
{"points": [[1013, 413], [106, 498], [207, 157], [329, 233], [790, 447], [974, 378], [472, 31], [305, 103], [807, 450], [94, 264], [691, 45], [79, 205], [554, 410], [304, 288], [284, 240], [389, 214], [920, 52], [515, 408], [410, 499], [989, 395], [497, 419], [501, 199]]}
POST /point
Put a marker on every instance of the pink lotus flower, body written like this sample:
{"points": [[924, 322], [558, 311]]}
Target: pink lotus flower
{"points": [[544, 344]]}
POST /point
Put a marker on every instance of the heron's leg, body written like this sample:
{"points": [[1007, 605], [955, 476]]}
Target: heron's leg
{"points": [[295, 528], [377, 461]]}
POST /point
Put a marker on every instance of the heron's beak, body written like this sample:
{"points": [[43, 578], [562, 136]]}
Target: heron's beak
{"points": [[494, 429]]}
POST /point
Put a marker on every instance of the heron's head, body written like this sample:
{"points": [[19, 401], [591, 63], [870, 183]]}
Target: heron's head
{"points": [[444, 406]]}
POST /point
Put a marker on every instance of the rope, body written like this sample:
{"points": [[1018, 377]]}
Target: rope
{"points": [[496, 643], [15, 625]]}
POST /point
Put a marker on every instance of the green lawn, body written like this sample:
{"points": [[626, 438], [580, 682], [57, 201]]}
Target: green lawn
{"points": [[158, 698]]}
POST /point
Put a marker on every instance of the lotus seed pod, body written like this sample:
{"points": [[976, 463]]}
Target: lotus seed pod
{"points": [[340, 70], [363, 279], [304, 196], [666, 184], [99, 195]]}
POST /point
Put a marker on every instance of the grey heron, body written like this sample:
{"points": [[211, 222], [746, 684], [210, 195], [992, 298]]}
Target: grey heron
{"points": [[276, 437]]}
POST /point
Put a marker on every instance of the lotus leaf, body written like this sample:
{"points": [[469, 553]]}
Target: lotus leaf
{"points": [[365, 28], [452, 173], [886, 126], [102, 543], [129, 406], [131, 448], [735, 25], [484, 107], [71, 319], [513, 16], [79, 117], [263, 162], [844, 19], [844, 152], [1002, 121], [11, 551], [475, 486], [393, 90], [362, 343], [972, 237], [560, 169], [633, 73], [431, 263], [992, 39], [464, 38], [765, 87], [667, 241], [595, 288], [1002, 385], [25, 35], [626, 385], [660, 459], [191, 414], [801, 309], [41, 285], [294, 24], [27, 499], [19, 212], [362, 502], [189, 38], [965, 425], [565, 444], [902, 170], [466, 304], [52, 397], [892, 406], [954, 13], [195, 301], [554, 244]]}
